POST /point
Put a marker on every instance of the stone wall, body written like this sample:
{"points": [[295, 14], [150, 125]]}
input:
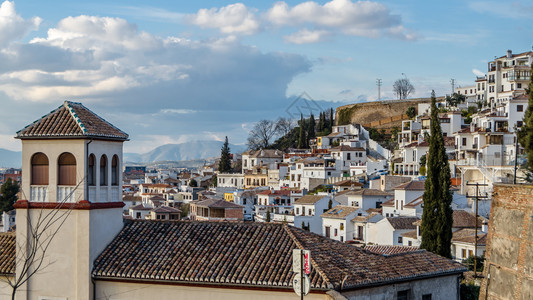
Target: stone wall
{"points": [[508, 272], [386, 113]]}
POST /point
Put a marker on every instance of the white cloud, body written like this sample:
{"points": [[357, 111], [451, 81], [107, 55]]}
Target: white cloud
{"points": [[504, 9], [363, 18], [177, 111], [478, 72], [12, 25], [306, 36], [232, 19]]}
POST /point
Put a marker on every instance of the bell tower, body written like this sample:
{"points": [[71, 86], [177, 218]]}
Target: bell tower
{"points": [[71, 197]]}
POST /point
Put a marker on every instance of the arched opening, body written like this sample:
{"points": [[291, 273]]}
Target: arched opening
{"points": [[66, 169], [103, 170], [91, 170], [114, 170], [39, 169]]}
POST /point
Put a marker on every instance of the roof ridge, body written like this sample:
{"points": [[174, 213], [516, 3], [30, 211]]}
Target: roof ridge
{"points": [[67, 105], [98, 116], [316, 266]]}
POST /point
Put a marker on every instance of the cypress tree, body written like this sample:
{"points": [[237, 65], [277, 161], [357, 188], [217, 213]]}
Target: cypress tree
{"points": [[525, 134], [437, 217], [331, 120], [224, 166], [8, 195], [311, 134], [301, 136]]}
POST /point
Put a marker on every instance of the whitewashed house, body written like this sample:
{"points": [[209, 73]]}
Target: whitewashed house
{"points": [[307, 211]]}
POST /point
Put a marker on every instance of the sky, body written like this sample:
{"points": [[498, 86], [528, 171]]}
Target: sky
{"points": [[177, 71]]}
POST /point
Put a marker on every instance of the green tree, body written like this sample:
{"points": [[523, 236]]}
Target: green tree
{"points": [[301, 136], [455, 99], [268, 217], [331, 119], [311, 133], [437, 215], [224, 166], [525, 134], [411, 112], [8, 195], [330, 204]]}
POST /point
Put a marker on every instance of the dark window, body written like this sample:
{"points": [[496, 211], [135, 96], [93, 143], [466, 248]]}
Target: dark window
{"points": [[518, 85], [114, 170], [138, 215], [91, 171], [519, 123], [426, 297], [400, 240], [464, 141], [66, 169], [519, 108], [39, 169], [402, 295], [103, 170]]}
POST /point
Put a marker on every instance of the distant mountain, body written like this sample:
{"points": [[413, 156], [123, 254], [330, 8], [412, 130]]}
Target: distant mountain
{"points": [[184, 151], [10, 159]]}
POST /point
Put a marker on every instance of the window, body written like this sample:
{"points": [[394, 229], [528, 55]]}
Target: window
{"points": [[464, 142], [519, 123], [402, 295], [519, 108], [518, 85], [426, 297], [39, 169], [470, 253], [138, 215], [348, 156], [410, 243], [297, 210], [103, 170], [328, 229], [336, 232], [66, 169], [114, 170], [400, 240], [463, 253], [342, 226], [91, 170]]}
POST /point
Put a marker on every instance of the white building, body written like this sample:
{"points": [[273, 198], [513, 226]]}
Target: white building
{"points": [[337, 222], [307, 211]]}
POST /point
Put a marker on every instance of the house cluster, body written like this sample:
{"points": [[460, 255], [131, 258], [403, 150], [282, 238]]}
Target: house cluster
{"points": [[70, 180]]}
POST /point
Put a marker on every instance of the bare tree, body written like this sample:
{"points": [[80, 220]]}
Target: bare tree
{"points": [[284, 126], [402, 88], [31, 252], [262, 134]]}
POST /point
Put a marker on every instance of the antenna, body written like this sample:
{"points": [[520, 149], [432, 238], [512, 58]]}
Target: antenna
{"points": [[452, 81], [378, 83]]}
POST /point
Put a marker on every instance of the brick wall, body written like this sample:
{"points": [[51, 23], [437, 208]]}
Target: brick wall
{"points": [[508, 272], [236, 213]]}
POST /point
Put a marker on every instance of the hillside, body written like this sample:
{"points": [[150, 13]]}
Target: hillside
{"points": [[378, 114], [10, 159], [182, 152]]}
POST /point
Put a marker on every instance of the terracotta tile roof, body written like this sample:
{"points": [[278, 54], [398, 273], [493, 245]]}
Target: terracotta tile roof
{"points": [[7, 253], [467, 235], [166, 209], [266, 153], [132, 198], [339, 212], [216, 203], [140, 207], [310, 199], [402, 223], [390, 249], [388, 203], [72, 119], [464, 219], [157, 198], [348, 182], [275, 192], [411, 186], [410, 234], [415, 202], [252, 254]]}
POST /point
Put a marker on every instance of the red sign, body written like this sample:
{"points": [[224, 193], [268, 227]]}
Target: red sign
{"points": [[307, 262]]}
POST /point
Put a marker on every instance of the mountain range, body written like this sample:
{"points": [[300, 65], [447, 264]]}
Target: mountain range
{"points": [[10, 159], [170, 152], [184, 151]]}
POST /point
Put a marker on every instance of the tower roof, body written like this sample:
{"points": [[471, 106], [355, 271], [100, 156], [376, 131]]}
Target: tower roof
{"points": [[71, 120]]}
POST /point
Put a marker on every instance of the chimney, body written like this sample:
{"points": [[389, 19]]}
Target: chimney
{"points": [[509, 53]]}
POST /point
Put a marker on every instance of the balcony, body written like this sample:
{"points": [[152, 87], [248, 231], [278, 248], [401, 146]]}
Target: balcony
{"points": [[103, 194], [65, 193], [38, 193], [92, 194]]}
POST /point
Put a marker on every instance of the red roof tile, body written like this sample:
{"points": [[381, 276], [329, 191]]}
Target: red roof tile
{"points": [[256, 254], [71, 120], [389, 249]]}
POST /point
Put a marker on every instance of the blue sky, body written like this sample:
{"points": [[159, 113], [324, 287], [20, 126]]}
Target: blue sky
{"points": [[173, 71]]}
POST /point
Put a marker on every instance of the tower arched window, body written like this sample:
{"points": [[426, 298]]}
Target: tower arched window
{"points": [[66, 169], [91, 170], [39, 169], [114, 170], [103, 170]]}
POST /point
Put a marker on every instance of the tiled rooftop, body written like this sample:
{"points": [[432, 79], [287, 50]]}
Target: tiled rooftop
{"points": [[339, 212], [7, 253], [390, 249], [402, 223], [411, 186], [71, 119], [216, 203], [258, 254], [309, 199]]}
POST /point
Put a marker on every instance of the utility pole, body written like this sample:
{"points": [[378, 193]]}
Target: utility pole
{"points": [[476, 197], [452, 81], [378, 82]]}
